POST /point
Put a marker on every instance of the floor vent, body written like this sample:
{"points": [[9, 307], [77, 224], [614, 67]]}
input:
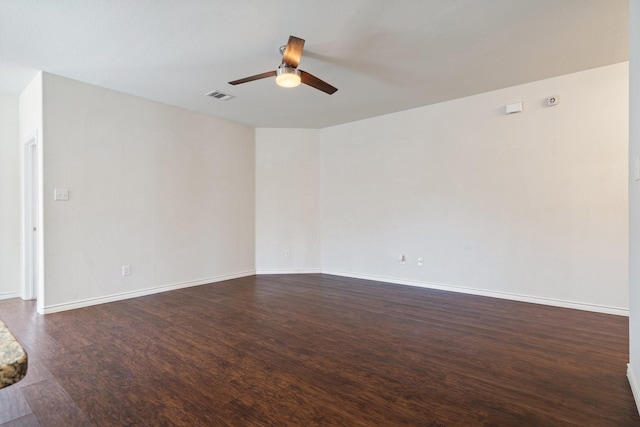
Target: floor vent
{"points": [[221, 96]]}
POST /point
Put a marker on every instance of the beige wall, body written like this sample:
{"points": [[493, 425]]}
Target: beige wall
{"points": [[287, 200], [30, 120], [530, 206], [169, 192], [9, 197]]}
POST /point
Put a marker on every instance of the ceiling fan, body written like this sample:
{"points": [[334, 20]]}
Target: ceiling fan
{"points": [[288, 74]]}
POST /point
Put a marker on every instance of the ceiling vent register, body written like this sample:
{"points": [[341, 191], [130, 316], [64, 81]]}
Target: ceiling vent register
{"points": [[221, 96]]}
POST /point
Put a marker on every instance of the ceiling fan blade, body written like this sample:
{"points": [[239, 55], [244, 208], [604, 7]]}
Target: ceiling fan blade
{"points": [[252, 78], [293, 51], [313, 81]]}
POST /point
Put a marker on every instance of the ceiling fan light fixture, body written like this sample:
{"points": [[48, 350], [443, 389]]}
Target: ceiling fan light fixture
{"points": [[287, 77], [287, 74]]}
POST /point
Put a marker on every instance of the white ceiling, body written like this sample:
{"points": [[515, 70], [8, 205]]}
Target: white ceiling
{"points": [[383, 56]]}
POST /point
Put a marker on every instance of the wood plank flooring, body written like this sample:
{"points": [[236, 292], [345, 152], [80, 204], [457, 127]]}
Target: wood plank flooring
{"points": [[305, 350]]}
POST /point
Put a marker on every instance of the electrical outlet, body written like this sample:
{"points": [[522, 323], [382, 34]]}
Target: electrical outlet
{"points": [[402, 259], [125, 270], [420, 262]]}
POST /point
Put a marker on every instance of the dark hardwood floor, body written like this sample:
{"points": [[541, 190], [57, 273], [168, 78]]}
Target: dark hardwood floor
{"points": [[305, 350]]}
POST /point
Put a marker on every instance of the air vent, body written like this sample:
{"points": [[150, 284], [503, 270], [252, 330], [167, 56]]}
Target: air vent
{"points": [[219, 95]]}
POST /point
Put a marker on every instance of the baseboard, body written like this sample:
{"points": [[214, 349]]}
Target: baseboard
{"points": [[472, 291], [494, 294], [634, 386], [291, 271], [9, 295], [142, 292]]}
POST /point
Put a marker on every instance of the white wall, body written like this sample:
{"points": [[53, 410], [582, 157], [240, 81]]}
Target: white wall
{"points": [[634, 199], [287, 200], [531, 206], [169, 192], [9, 197], [30, 125]]}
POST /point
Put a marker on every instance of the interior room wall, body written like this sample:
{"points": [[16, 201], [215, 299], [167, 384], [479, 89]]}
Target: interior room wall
{"points": [[287, 200], [9, 197], [31, 126], [634, 199], [168, 192], [530, 206]]}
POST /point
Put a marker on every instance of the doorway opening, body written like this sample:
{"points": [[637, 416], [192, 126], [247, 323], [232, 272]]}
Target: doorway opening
{"points": [[31, 270]]}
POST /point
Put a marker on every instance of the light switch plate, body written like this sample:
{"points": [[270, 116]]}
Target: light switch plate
{"points": [[61, 194]]}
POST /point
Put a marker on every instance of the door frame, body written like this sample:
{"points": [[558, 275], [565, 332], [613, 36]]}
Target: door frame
{"points": [[32, 283]]}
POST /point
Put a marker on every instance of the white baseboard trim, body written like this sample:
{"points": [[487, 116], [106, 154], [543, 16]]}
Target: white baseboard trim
{"points": [[142, 292], [472, 291], [635, 389], [291, 271], [8, 295], [493, 294]]}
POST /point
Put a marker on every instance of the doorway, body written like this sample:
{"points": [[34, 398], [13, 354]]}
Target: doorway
{"points": [[31, 220]]}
